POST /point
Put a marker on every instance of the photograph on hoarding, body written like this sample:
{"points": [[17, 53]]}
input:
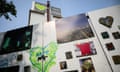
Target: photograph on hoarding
{"points": [[116, 59], [116, 35], [87, 65], [85, 49], [17, 40], [63, 65], [68, 55], [73, 28], [105, 35], [110, 46]]}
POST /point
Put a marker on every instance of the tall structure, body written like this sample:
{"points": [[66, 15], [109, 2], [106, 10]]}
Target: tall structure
{"points": [[48, 11], [87, 42], [39, 13]]}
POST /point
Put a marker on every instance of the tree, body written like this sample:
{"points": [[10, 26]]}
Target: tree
{"points": [[7, 8]]}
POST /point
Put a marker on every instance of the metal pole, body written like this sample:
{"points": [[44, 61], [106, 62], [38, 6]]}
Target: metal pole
{"points": [[48, 19]]}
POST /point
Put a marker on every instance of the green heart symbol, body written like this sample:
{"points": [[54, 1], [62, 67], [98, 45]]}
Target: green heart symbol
{"points": [[48, 55]]}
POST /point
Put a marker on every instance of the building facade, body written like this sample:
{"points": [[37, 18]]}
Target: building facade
{"points": [[87, 42], [38, 13]]}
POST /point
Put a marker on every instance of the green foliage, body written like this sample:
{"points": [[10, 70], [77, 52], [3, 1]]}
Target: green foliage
{"points": [[7, 8]]}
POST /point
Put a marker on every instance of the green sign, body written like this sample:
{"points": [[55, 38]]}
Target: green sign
{"points": [[40, 7]]}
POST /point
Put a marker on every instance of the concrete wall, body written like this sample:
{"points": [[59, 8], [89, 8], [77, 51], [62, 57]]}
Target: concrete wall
{"points": [[99, 28], [39, 18]]}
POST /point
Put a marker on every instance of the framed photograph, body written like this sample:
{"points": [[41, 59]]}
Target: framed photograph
{"points": [[110, 46], [116, 35], [105, 35], [85, 49], [73, 28], [19, 57], [106, 21], [68, 55], [27, 69], [63, 65], [87, 65], [116, 59]]}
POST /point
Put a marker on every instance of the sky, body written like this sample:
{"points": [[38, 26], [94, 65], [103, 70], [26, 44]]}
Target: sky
{"points": [[68, 8]]}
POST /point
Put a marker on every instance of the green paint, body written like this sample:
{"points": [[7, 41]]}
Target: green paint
{"points": [[6, 44], [40, 7], [34, 58], [18, 43], [27, 43], [51, 48], [48, 51], [27, 33]]}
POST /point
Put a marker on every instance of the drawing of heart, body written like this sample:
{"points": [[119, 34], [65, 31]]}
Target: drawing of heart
{"points": [[107, 21]]}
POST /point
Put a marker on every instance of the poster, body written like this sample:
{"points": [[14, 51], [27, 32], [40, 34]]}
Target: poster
{"points": [[17, 40], [73, 28]]}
